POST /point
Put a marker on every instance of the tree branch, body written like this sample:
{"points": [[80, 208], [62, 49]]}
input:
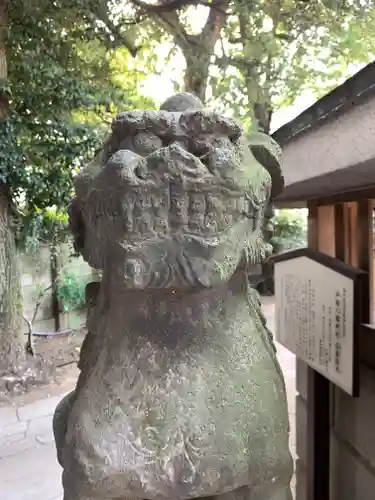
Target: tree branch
{"points": [[171, 24], [168, 6], [215, 19], [166, 12], [237, 62], [120, 39], [29, 343]]}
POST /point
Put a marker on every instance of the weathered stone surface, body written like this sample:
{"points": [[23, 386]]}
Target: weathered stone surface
{"points": [[15, 444], [39, 427], [180, 394], [27, 475], [38, 409], [8, 416], [16, 429]]}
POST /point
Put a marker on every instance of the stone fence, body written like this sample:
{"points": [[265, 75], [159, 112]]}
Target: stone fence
{"points": [[36, 277]]}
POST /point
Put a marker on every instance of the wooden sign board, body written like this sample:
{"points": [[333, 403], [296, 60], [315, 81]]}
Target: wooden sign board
{"points": [[317, 310]]}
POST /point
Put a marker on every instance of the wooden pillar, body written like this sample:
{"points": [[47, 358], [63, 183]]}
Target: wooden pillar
{"points": [[303, 476], [364, 244], [325, 230], [345, 232], [352, 216], [364, 234], [322, 237], [340, 225]]}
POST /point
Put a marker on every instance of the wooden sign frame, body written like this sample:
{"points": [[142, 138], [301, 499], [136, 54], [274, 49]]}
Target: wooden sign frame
{"points": [[350, 379]]}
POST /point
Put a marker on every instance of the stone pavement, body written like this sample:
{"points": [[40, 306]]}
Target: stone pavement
{"points": [[287, 361], [28, 465]]}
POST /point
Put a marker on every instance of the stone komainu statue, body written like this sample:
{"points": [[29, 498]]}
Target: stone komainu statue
{"points": [[180, 393]]}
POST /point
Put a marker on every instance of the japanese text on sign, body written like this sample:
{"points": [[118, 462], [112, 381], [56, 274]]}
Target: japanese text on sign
{"points": [[314, 317]]}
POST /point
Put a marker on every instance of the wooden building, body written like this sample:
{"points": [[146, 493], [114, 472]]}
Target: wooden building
{"points": [[329, 167]]}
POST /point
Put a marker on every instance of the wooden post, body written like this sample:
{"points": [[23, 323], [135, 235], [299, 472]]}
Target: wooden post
{"points": [[325, 233], [364, 243], [345, 232], [318, 436], [341, 240]]}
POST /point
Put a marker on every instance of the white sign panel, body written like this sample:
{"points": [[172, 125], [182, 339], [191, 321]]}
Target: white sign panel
{"points": [[315, 317]]}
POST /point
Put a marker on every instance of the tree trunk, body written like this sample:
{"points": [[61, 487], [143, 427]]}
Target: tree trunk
{"points": [[196, 74], [54, 267], [11, 341], [263, 115], [4, 103], [199, 49]]}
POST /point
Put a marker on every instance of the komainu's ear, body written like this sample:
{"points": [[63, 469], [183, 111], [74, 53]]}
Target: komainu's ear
{"points": [[268, 153]]}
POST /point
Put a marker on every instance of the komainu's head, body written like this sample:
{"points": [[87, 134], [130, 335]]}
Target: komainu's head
{"points": [[176, 198]]}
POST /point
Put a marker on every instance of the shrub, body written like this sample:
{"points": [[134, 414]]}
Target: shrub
{"points": [[290, 229], [71, 291]]}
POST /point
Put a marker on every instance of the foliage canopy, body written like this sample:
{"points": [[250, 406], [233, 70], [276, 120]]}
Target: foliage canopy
{"points": [[253, 56], [62, 86]]}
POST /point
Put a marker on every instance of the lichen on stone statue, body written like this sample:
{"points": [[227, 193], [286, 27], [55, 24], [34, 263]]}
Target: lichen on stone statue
{"points": [[180, 394]]}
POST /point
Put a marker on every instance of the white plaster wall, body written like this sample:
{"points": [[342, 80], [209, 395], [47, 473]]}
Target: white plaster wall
{"points": [[344, 141]]}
